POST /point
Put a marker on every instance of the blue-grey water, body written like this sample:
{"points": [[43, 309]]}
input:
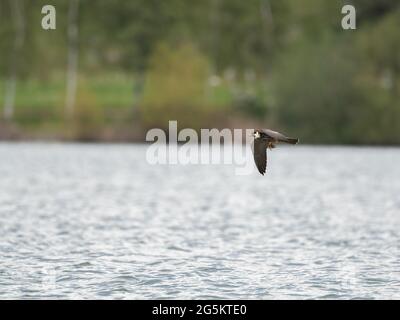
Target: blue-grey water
{"points": [[97, 221]]}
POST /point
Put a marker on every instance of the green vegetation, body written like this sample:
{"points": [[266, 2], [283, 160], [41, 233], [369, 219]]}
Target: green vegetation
{"points": [[286, 64]]}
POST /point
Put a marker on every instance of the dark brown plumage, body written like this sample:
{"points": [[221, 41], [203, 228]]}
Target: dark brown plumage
{"points": [[264, 139]]}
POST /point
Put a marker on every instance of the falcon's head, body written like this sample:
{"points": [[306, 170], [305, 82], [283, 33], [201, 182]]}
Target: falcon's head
{"points": [[257, 134]]}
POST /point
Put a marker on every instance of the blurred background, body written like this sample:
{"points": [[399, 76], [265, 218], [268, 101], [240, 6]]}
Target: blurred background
{"points": [[96, 220], [113, 69]]}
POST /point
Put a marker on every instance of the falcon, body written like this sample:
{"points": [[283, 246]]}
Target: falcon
{"points": [[263, 139]]}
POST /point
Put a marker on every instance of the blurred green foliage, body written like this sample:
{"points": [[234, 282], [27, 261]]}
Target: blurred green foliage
{"points": [[285, 63], [175, 87]]}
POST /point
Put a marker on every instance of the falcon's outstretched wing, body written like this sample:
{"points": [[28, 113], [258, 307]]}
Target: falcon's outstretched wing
{"points": [[280, 137], [260, 154]]}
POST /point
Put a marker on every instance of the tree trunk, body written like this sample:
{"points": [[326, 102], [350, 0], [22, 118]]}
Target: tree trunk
{"points": [[214, 36], [11, 84], [268, 20], [72, 64]]}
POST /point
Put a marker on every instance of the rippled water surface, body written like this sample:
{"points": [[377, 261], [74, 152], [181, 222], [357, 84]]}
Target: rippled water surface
{"points": [[96, 221]]}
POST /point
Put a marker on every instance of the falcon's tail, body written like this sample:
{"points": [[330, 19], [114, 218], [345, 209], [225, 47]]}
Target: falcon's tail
{"points": [[290, 140]]}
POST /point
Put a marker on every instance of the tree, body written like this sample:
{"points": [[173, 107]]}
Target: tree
{"points": [[11, 84], [72, 64]]}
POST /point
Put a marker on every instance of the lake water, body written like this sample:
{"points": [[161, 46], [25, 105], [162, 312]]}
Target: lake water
{"points": [[97, 221]]}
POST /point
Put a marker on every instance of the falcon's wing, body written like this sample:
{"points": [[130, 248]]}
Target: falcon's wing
{"points": [[275, 135], [280, 137], [260, 154]]}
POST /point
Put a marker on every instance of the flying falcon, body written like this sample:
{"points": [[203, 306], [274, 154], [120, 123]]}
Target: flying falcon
{"points": [[264, 139]]}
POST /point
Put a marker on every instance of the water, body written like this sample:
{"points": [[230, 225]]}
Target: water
{"points": [[96, 221]]}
